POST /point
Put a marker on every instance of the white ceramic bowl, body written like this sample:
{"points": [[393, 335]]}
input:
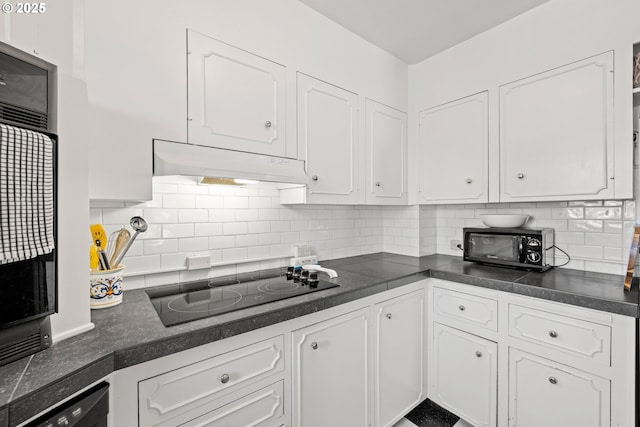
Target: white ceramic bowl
{"points": [[504, 220]]}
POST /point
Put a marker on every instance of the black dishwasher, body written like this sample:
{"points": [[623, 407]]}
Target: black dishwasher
{"points": [[88, 409]]}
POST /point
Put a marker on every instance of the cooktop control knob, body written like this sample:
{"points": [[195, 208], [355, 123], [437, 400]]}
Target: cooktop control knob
{"points": [[533, 256]]}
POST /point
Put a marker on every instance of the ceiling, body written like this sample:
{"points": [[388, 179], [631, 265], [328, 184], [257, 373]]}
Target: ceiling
{"points": [[414, 30]]}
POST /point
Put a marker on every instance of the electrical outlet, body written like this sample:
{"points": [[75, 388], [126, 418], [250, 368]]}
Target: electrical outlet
{"points": [[311, 259], [455, 244], [198, 262]]}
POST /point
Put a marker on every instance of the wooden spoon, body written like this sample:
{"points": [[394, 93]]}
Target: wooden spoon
{"points": [[121, 241]]}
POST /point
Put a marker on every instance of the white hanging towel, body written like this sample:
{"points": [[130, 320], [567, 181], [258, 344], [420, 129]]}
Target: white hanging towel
{"points": [[26, 194]]}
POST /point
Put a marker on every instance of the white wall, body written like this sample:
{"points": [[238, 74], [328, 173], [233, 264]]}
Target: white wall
{"points": [[553, 34], [58, 37]]}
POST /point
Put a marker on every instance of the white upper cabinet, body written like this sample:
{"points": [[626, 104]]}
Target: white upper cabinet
{"points": [[328, 141], [236, 100], [386, 146], [556, 133], [453, 151]]}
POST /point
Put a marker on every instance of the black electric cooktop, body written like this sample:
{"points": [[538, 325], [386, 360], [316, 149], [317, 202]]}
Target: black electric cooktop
{"points": [[185, 302]]}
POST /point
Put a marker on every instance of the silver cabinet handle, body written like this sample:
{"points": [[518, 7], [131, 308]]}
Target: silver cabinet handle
{"points": [[478, 354], [462, 308], [267, 124], [224, 378], [553, 380], [378, 184], [469, 181], [389, 316], [314, 345], [520, 176], [314, 177], [553, 334]]}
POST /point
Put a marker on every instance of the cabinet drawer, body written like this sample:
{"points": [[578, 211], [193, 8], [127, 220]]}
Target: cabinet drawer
{"points": [[260, 408], [468, 308], [545, 393], [177, 392], [577, 337]]}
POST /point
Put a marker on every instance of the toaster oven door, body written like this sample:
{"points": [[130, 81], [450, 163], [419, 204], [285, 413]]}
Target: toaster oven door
{"points": [[496, 248]]}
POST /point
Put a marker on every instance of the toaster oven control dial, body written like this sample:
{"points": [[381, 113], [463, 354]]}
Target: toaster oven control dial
{"points": [[534, 243], [533, 257]]}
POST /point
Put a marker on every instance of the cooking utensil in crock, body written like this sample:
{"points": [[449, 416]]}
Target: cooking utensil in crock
{"points": [[99, 238], [139, 225], [121, 240]]}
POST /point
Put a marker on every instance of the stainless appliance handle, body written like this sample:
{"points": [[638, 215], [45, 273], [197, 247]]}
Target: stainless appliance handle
{"points": [[521, 252]]}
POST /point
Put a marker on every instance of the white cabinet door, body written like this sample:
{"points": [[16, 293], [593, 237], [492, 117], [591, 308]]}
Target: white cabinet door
{"points": [[464, 376], [454, 151], [545, 393], [399, 357], [328, 141], [556, 133], [236, 100], [331, 373], [386, 145]]}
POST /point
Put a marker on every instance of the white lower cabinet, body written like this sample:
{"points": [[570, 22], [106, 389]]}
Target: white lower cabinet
{"points": [[257, 409], [399, 357], [331, 372], [546, 393], [465, 375], [179, 395], [537, 363]]}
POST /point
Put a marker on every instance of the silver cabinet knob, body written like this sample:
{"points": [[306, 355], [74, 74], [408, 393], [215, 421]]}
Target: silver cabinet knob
{"points": [[314, 345], [314, 177], [478, 354], [462, 308], [469, 181], [553, 334], [389, 316], [553, 380], [520, 176], [267, 124], [378, 184], [224, 378]]}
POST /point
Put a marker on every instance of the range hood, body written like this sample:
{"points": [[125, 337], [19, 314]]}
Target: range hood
{"points": [[176, 158]]}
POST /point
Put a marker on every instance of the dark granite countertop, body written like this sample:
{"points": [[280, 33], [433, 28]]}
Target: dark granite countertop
{"points": [[132, 333]]}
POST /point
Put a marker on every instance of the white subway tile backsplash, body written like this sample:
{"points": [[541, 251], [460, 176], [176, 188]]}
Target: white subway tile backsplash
{"points": [[236, 202], [220, 242], [247, 240], [603, 239], [586, 226], [567, 213], [242, 223], [159, 246], [193, 215], [172, 231], [247, 215], [180, 201], [222, 215], [603, 213], [233, 228], [209, 202], [208, 229], [193, 244], [160, 216], [234, 254], [119, 215]]}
